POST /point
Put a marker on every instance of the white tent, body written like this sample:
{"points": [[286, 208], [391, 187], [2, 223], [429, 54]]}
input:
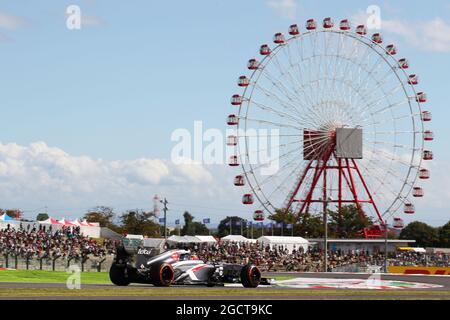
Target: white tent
{"points": [[207, 239], [78, 223], [175, 239], [237, 238], [183, 239], [90, 224], [154, 242], [191, 239], [51, 221], [289, 243], [5, 217], [65, 222], [134, 236]]}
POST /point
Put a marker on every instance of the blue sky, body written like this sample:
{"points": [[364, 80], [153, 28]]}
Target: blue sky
{"points": [[116, 89]]}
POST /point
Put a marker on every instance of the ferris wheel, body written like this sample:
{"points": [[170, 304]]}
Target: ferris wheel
{"points": [[348, 119]]}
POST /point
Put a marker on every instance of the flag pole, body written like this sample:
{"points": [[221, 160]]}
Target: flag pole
{"points": [[165, 217]]}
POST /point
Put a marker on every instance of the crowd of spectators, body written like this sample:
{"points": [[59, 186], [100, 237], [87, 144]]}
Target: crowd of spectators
{"points": [[421, 259], [278, 258], [41, 242]]}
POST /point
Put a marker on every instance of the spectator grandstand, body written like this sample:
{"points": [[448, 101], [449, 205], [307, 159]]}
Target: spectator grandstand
{"points": [[37, 243], [36, 247], [279, 258]]}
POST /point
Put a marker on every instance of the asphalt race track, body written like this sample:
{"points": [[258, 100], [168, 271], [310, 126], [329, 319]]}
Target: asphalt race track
{"points": [[59, 291], [443, 281]]}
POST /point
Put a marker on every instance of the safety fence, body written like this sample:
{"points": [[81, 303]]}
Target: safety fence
{"points": [[358, 268], [96, 264]]}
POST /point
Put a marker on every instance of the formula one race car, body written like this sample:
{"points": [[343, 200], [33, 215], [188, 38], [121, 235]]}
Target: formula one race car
{"points": [[138, 264]]}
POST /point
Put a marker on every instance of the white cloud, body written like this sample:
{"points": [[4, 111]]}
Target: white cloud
{"points": [[437, 32], [285, 8], [8, 21], [432, 35], [38, 175]]}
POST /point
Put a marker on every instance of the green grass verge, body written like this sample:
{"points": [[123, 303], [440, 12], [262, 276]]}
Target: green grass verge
{"points": [[41, 276]]}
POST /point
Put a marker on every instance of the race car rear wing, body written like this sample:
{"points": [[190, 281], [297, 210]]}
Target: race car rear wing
{"points": [[131, 245]]}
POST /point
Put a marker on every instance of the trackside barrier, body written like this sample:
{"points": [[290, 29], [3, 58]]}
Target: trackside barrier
{"points": [[419, 270], [54, 263], [83, 262], [99, 264]]}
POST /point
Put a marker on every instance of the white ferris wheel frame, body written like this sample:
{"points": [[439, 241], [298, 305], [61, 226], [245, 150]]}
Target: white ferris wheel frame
{"points": [[411, 177]]}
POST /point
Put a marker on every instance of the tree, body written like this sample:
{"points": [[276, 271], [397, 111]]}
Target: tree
{"points": [[139, 222], [13, 213], [304, 225], [199, 229], [188, 227], [223, 229], [347, 222], [309, 226], [283, 216], [103, 215], [444, 236], [425, 235], [42, 217], [191, 227]]}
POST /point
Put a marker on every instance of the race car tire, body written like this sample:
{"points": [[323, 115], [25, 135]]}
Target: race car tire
{"points": [[161, 274], [250, 276], [118, 276]]}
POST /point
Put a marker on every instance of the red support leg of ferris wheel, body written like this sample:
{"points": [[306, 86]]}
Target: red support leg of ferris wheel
{"points": [[346, 167], [320, 168], [368, 192]]}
